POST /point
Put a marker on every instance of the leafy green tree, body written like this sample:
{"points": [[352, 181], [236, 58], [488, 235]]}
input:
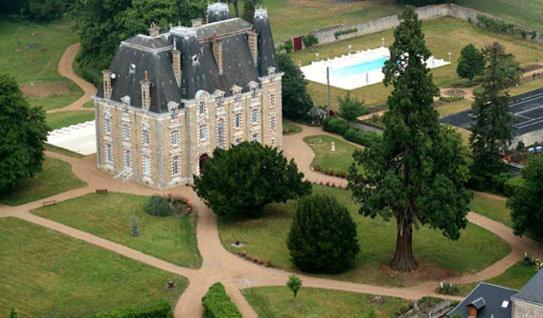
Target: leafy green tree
{"points": [[471, 62], [296, 100], [526, 202], [491, 132], [103, 24], [294, 283], [249, 7], [23, 134], [416, 175], [323, 236], [248, 176], [350, 108]]}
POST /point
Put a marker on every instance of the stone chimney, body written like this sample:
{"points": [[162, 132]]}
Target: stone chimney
{"points": [[106, 79], [145, 92], [217, 11], [196, 22], [176, 63], [253, 44], [217, 51], [154, 30]]}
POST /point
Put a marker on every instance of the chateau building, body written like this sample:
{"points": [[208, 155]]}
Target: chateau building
{"points": [[169, 99]]}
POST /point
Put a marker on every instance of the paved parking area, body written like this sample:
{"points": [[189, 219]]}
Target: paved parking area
{"points": [[527, 109]]}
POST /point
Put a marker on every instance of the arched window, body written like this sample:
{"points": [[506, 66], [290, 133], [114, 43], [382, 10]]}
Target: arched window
{"points": [[146, 165], [107, 123], [254, 115], [145, 135], [237, 120], [127, 159], [221, 138]]}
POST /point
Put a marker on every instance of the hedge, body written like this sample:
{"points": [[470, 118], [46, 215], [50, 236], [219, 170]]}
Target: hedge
{"points": [[341, 127], [159, 309], [217, 304]]}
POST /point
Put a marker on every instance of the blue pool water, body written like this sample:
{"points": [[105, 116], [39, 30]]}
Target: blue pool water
{"points": [[360, 68]]}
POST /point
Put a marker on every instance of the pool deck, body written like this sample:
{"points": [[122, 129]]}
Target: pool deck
{"points": [[316, 71]]}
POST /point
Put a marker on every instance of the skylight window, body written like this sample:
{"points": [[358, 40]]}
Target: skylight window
{"points": [[505, 304]]}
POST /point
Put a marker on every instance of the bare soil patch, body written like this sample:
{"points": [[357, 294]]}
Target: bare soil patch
{"points": [[45, 89]]}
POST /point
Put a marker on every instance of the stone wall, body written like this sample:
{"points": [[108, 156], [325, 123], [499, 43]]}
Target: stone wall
{"points": [[522, 309], [326, 36]]}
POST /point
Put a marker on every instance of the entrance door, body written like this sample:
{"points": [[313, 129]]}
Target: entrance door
{"points": [[297, 43], [202, 162]]}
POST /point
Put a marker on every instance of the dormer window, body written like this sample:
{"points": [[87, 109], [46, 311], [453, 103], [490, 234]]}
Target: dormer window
{"points": [[219, 101], [125, 100]]}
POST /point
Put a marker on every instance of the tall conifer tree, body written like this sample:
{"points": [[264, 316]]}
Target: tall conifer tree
{"points": [[491, 133], [417, 174]]}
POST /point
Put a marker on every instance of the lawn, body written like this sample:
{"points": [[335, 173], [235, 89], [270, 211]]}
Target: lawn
{"points": [[110, 215], [514, 277], [68, 118], [30, 53], [56, 177], [492, 207], [47, 274], [299, 17], [446, 109], [70, 93], [326, 160], [442, 36], [438, 257], [525, 12], [291, 128], [313, 302]]}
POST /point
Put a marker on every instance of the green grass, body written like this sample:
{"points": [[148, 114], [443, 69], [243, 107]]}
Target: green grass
{"points": [[299, 17], [491, 207], [47, 274], [446, 109], [89, 104], [514, 277], [337, 161], [313, 302], [54, 100], [526, 12], [438, 257], [63, 151], [442, 36], [109, 216], [68, 118], [291, 128], [56, 177], [30, 52]]}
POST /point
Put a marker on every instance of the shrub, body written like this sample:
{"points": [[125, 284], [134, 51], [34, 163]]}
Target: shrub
{"points": [[450, 99], [335, 125], [158, 206], [448, 289], [323, 236], [160, 309], [338, 34], [310, 40], [360, 137], [350, 108], [512, 185], [217, 304], [499, 181]]}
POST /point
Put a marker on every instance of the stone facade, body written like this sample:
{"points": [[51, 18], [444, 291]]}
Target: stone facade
{"points": [[524, 309], [163, 143]]}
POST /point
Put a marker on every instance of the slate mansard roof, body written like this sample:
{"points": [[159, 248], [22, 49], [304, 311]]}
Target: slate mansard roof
{"points": [[533, 290], [489, 300], [199, 69]]}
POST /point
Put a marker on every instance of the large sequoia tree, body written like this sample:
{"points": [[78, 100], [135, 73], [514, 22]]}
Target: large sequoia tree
{"points": [[417, 174]]}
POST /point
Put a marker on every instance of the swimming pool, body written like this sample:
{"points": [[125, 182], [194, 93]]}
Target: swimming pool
{"points": [[360, 68]]}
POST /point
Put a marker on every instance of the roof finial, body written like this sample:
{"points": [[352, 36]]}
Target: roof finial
{"points": [[146, 76]]}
